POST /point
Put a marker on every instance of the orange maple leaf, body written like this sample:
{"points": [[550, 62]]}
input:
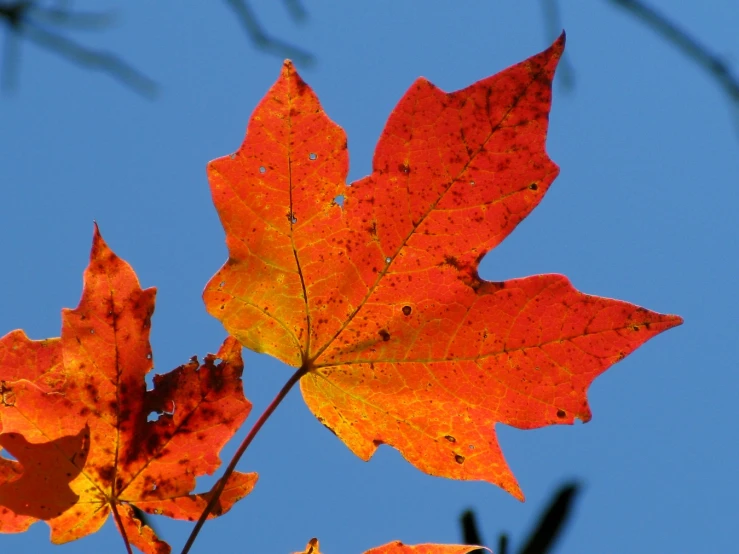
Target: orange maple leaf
{"points": [[377, 298], [397, 547], [75, 413]]}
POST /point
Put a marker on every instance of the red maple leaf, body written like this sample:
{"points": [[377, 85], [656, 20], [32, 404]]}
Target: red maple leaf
{"points": [[377, 298], [75, 414]]}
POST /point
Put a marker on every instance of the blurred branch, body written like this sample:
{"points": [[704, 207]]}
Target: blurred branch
{"points": [[551, 521], [553, 23], [710, 62], [262, 40], [470, 534], [542, 538], [24, 18]]}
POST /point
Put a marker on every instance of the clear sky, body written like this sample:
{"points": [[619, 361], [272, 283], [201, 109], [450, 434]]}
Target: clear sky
{"points": [[644, 210]]}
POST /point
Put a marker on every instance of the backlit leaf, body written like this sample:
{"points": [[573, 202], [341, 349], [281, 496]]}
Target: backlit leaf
{"points": [[373, 290], [87, 435]]}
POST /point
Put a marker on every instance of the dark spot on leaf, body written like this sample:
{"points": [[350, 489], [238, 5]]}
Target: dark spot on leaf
{"points": [[385, 335], [459, 459], [452, 261], [407, 310], [561, 414], [106, 473], [450, 438], [404, 168], [533, 186]]}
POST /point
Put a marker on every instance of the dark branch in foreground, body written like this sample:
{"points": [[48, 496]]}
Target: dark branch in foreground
{"points": [[25, 19], [546, 532], [552, 521]]}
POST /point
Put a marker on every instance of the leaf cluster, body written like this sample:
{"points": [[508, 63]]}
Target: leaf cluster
{"points": [[369, 290]]}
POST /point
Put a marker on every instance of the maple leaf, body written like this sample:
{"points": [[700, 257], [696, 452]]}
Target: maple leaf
{"points": [[377, 298], [397, 547], [75, 413]]}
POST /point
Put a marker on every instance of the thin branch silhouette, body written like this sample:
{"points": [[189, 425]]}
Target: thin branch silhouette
{"points": [[261, 40], [712, 63], [546, 532], [25, 19]]}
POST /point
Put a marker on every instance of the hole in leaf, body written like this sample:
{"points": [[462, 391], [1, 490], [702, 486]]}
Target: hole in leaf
{"points": [[262, 169], [387, 260], [232, 156], [339, 200], [472, 183], [221, 283], [312, 155], [148, 356], [8, 456], [472, 447]]}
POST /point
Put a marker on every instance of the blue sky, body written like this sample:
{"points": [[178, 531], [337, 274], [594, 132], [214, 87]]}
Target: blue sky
{"points": [[644, 210]]}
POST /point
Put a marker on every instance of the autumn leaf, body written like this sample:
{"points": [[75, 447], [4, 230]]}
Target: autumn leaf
{"points": [[397, 547], [75, 414], [377, 297]]}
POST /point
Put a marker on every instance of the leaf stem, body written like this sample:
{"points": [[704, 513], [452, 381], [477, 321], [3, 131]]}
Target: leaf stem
{"points": [[119, 521], [216, 491]]}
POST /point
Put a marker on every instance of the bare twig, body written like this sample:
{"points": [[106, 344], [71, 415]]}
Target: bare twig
{"points": [[94, 59], [712, 63], [24, 18], [262, 40]]}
